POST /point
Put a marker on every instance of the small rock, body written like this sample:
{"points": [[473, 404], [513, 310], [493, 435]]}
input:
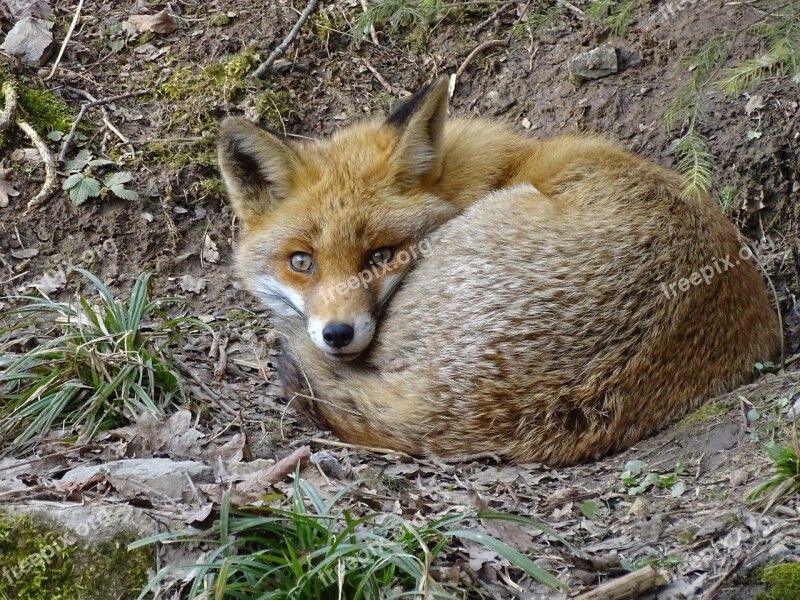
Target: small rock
{"points": [[738, 477], [639, 508], [30, 39], [20, 9], [594, 64], [328, 464], [147, 476], [282, 65]]}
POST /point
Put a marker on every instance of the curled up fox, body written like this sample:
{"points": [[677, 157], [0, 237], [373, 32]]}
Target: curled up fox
{"points": [[447, 287]]}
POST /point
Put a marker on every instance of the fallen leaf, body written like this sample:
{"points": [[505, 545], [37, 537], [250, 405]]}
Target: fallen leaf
{"points": [[26, 253], [6, 189], [49, 284], [161, 22], [190, 283], [753, 104], [209, 252], [259, 481]]}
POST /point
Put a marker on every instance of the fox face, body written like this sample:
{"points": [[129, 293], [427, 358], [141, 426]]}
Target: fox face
{"points": [[330, 227]]}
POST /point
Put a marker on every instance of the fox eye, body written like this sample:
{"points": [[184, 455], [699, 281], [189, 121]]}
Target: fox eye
{"points": [[381, 256], [301, 262]]}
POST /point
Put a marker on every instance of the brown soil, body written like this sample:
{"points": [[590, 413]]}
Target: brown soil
{"points": [[698, 536]]}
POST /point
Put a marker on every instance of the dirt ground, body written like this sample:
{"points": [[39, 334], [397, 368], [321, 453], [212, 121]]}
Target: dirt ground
{"points": [[706, 534]]}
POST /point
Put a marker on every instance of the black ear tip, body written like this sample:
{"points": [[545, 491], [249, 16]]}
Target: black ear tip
{"points": [[400, 115]]}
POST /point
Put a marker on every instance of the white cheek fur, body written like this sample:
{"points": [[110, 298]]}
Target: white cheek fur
{"points": [[278, 297]]}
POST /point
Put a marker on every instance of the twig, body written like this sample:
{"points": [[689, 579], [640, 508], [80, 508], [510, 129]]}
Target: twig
{"points": [[215, 398], [66, 40], [481, 26], [629, 586], [480, 48], [222, 364], [712, 592], [372, 33], [10, 95], [267, 64], [371, 449], [580, 14], [84, 109], [378, 76], [49, 166]]}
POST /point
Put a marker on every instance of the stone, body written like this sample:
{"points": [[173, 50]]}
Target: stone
{"points": [[156, 477], [594, 64], [31, 39]]}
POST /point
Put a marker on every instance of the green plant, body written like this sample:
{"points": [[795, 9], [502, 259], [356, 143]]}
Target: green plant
{"points": [[317, 550], [91, 366], [636, 478], [726, 198], [785, 480], [81, 184], [615, 14], [780, 31], [652, 557], [395, 14]]}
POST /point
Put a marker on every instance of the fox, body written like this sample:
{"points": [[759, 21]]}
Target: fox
{"points": [[447, 287]]}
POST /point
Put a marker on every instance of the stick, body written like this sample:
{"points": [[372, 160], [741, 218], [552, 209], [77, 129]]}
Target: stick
{"points": [[712, 592], [49, 166], [310, 7], [627, 587], [480, 48], [66, 40], [84, 109], [378, 76], [10, 94], [372, 33], [580, 14], [491, 18]]}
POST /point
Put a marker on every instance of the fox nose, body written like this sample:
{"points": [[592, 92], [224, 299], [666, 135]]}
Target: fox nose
{"points": [[338, 335]]}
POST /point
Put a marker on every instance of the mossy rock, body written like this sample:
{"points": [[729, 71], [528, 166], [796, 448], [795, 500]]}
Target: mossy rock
{"points": [[41, 559], [782, 582], [41, 108]]}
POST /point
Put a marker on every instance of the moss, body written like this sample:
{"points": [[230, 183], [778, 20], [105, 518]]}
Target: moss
{"points": [[204, 188], [197, 154], [219, 20], [191, 91], [782, 582], [275, 107], [43, 110], [37, 562], [704, 414]]}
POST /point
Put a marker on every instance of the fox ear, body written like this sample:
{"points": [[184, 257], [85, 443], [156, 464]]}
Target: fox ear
{"points": [[257, 166], [420, 119]]}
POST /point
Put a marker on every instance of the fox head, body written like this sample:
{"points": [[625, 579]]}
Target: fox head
{"points": [[329, 227]]}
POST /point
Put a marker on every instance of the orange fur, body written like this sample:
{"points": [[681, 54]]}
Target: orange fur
{"points": [[538, 328]]}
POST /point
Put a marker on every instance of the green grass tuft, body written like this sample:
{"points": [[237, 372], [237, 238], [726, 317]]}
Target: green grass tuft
{"points": [[314, 549], [90, 366], [785, 480], [395, 14]]}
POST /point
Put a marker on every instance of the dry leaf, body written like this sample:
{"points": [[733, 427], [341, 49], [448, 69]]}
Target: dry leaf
{"points": [[49, 284], [161, 22], [753, 104], [260, 481], [25, 253], [209, 252], [190, 283], [6, 189]]}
